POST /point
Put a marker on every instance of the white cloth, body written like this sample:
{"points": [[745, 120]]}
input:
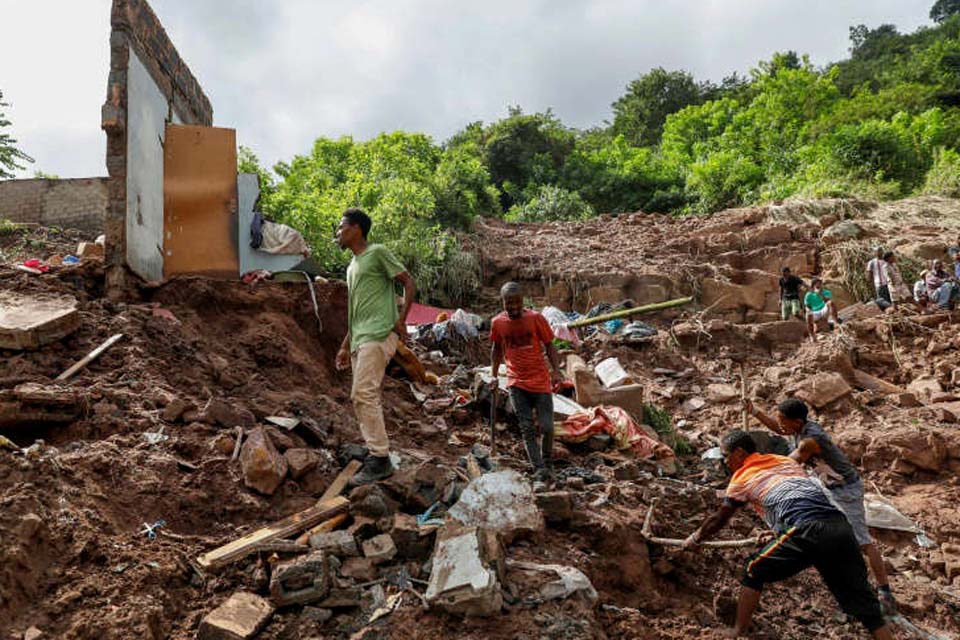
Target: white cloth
{"points": [[875, 268], [898, 290], [279, 238]]}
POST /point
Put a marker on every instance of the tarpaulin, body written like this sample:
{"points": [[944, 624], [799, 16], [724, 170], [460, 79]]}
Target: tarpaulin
{"points": [[618, 424], [424, 314]]}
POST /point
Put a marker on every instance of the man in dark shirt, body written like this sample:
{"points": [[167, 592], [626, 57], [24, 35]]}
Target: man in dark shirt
{"points": [[790, 286], [815, 448], [809, 530]]}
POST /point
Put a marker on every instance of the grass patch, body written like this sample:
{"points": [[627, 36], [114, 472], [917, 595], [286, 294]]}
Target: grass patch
{"points": [[8, 227], [662, 422]]}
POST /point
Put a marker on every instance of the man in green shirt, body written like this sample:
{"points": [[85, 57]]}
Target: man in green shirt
{"points": [[819, 305], [374, 328]]}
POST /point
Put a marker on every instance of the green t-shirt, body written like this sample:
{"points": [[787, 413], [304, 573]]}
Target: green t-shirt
{"points": [[815, 301], [372, 305]]}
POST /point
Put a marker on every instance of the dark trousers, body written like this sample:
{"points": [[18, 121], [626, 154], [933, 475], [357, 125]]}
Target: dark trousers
{"points": [[524, 403]]}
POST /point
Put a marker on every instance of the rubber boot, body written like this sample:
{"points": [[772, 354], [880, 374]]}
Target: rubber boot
{"points": [[375, 468]]}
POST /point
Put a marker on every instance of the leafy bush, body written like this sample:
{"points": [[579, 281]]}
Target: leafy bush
{"points": [[944, 176], [551, 203]]}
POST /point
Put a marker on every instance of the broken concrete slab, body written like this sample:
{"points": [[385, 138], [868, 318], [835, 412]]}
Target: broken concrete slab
{"points": [[300, 580], [31, 321], [379, 549], [241, 617], [338, 543], [823, 388], [342, 598], [300, 461], [412, 540], [263, 467], [557, 506], [502, 502], [462, 581], [361, 569]]}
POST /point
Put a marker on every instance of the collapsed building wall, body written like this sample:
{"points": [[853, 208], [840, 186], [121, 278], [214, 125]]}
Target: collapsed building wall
{"points": [[77, 203], [149, 86]]}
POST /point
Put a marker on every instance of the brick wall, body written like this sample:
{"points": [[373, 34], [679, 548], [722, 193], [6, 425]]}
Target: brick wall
{"points": [[134, 26], [78, 203]]}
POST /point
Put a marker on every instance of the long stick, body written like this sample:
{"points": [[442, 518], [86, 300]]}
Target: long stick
{"points": [[743, 397], [624, 313], [676, 542], [493, 422], [90, 357]]}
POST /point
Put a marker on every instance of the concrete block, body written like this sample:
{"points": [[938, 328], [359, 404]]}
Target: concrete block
{"points": [[379, 549], [502, 502], [338, 543], [557, 506], [300, 580], [462, 581], [241, 617], [412, 541]]}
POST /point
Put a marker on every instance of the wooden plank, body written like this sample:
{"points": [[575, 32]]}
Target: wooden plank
{"points": [[340, 482], [290, 525], [323, 527], [90, 357]]}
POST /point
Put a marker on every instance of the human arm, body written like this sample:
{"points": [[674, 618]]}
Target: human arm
{"points": [[554, 357], [343, 355], [768, 421], [496, 358], [409, 291], [714, 523], [807, 448], [546, 336]]}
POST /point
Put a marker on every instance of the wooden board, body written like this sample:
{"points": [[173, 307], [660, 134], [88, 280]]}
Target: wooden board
{"points": [[281, 529], [340, 482]]}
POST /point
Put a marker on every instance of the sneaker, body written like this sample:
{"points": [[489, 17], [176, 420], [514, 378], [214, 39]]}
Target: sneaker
{"points": [[375, 468], [541, 480]]}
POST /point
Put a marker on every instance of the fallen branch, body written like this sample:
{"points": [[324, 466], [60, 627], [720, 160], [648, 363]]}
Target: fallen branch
{"points": [[677, 542], [90, 357], [624, 313], [236, 446]]}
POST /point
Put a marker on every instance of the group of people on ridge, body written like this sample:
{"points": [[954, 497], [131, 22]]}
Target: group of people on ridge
{"points": [[817, 519]]}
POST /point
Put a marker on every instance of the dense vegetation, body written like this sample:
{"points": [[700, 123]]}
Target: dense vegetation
{"points": [[883, 123], [10, 154]]}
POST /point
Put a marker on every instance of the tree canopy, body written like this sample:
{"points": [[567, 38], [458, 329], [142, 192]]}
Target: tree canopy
{"points": [[11, 156]]}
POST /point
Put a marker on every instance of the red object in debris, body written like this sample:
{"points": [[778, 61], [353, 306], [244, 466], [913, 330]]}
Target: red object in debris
{"points": [[34, 263], [425, 314], [618, 424]]}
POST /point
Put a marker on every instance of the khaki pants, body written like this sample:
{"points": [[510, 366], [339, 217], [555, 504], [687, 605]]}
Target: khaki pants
{"points": [[369, 364]]}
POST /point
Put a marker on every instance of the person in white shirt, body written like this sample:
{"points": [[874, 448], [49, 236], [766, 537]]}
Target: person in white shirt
{"points": [[896, 288], [876, 274]]}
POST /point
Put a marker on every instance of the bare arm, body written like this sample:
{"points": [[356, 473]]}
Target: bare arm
{"points": [[768, 421], [409, 291], [554, 357], [714, 523], [807, 449], [496, 357]]}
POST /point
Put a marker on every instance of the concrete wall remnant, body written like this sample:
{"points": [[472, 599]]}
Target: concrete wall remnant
{"points": [[152, 83], [76, 203]]}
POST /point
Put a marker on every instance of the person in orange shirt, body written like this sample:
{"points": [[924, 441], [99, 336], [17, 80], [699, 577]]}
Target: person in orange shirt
{"points": [[521, 335], [809, 529]]}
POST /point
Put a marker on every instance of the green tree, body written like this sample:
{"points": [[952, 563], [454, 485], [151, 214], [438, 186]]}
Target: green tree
{"points": [[943, 9], [551, 203], [10, 155], [640, 113], [247, 162]]}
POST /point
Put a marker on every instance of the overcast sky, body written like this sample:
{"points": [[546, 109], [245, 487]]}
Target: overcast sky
{"points": [[283, 72]]}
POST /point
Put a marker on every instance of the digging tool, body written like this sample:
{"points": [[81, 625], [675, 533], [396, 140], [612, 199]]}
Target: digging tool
{"points": [[493, 422], [743, 396], [647, 534]]}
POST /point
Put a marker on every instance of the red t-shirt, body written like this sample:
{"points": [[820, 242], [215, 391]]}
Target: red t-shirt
{"points": [[522, 340]]}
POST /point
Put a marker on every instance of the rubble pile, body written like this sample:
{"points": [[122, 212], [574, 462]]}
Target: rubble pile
{"points": [[191, 481]]}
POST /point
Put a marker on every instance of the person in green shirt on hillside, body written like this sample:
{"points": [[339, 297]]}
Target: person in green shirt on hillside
{"points": [[819, 306], [374, 328]]}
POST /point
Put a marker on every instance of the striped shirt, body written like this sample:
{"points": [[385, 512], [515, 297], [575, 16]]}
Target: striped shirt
{"points": [[780, 491]]}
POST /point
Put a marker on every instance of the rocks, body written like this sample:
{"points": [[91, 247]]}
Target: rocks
{"points": [[502, 502], [241, 617], [300, 580], [557, 506], [722, 392], [343, 598], [339, 543], [413, 542], [222, 413], [775, 335], [461, 580], [906, 400], [924, 387], [822, 389], [32, 634], [360, 569], [692, 405], [927, 454], [627, 471], [175, 409], [263, 466], [300, 461], [840, 231], [948, 412], [379, 549]]}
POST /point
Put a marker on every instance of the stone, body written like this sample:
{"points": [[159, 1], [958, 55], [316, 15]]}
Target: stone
{"points": [[300, 580], [282, 441], [928, 454], [692, 405], [626, 471], [948, 412], [175, 409], [902, 467], [371, 501], [591, 393], [942, 397], [557, 506], [925, 387], [222, 443], [906, 400], [338, 543], [413, 542], [342, 598], [316, 614], [379, 549], [31, 321], [263, 467], [360, 569], [462, 581], [823, 388], [502, 502], [222, 413], [300, 461], [241, 617], [722, 392], [840, 231], [951, 559], [32, 634]]}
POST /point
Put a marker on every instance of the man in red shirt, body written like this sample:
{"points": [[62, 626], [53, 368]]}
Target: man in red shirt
{"points": [[521, 335]]}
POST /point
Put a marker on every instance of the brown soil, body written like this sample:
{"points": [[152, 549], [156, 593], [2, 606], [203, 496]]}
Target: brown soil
{"points": [[75, 563]]}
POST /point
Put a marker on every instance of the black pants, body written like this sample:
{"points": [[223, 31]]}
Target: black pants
{"points": [[830, 546], [524, 402]]}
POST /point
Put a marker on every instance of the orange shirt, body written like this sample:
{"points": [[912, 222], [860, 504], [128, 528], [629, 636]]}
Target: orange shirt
{"points": [[523, 340]]}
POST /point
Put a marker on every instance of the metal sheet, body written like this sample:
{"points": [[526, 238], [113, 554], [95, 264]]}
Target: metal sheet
{"points": [[200, 201]]}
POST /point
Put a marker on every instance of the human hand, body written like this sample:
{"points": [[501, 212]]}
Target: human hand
{"points": [[748, 406], [765, 537], [400, 327], [690, 542], [343, 360], [556, 377]]}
